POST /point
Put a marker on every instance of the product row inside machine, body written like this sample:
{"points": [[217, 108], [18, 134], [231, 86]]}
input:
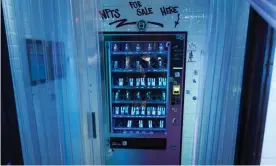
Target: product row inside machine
{"points": [[139, 62], [124, 123], [140, 46], [135, 94], [138, 81], [156, 110]]}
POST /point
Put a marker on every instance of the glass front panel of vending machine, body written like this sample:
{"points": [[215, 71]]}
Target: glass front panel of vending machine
{"points": [[144, 75]]}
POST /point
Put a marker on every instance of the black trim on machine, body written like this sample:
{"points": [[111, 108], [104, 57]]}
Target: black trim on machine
{"points": [[138, 143]]}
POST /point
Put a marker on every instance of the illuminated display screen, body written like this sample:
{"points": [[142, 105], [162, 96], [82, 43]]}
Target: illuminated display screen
{"points": [[138, 73]]}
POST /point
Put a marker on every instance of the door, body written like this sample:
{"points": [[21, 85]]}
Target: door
{"points": [[49, 81]]}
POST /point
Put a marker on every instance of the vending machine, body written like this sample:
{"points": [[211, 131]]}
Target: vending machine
{"points": [[143, 86]]}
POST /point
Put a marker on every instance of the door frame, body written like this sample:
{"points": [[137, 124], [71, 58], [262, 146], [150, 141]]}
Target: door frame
{"points": [[11, 152], [257, 74]]}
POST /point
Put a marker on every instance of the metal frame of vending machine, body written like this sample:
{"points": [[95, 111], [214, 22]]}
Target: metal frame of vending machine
{"points": [[143, 77]]}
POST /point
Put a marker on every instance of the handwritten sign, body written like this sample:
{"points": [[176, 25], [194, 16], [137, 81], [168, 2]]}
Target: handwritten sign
{"points": [[168, 10], [140, 10], [136, 4], [109, 13]]}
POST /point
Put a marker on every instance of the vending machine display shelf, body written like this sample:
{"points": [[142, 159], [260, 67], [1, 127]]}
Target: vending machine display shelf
{"points": [[139, 70], [135, 116], [139, 53], [139, 87], [138, 102]]}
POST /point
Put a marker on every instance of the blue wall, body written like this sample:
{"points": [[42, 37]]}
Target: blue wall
{"points": [[48, 113]]}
